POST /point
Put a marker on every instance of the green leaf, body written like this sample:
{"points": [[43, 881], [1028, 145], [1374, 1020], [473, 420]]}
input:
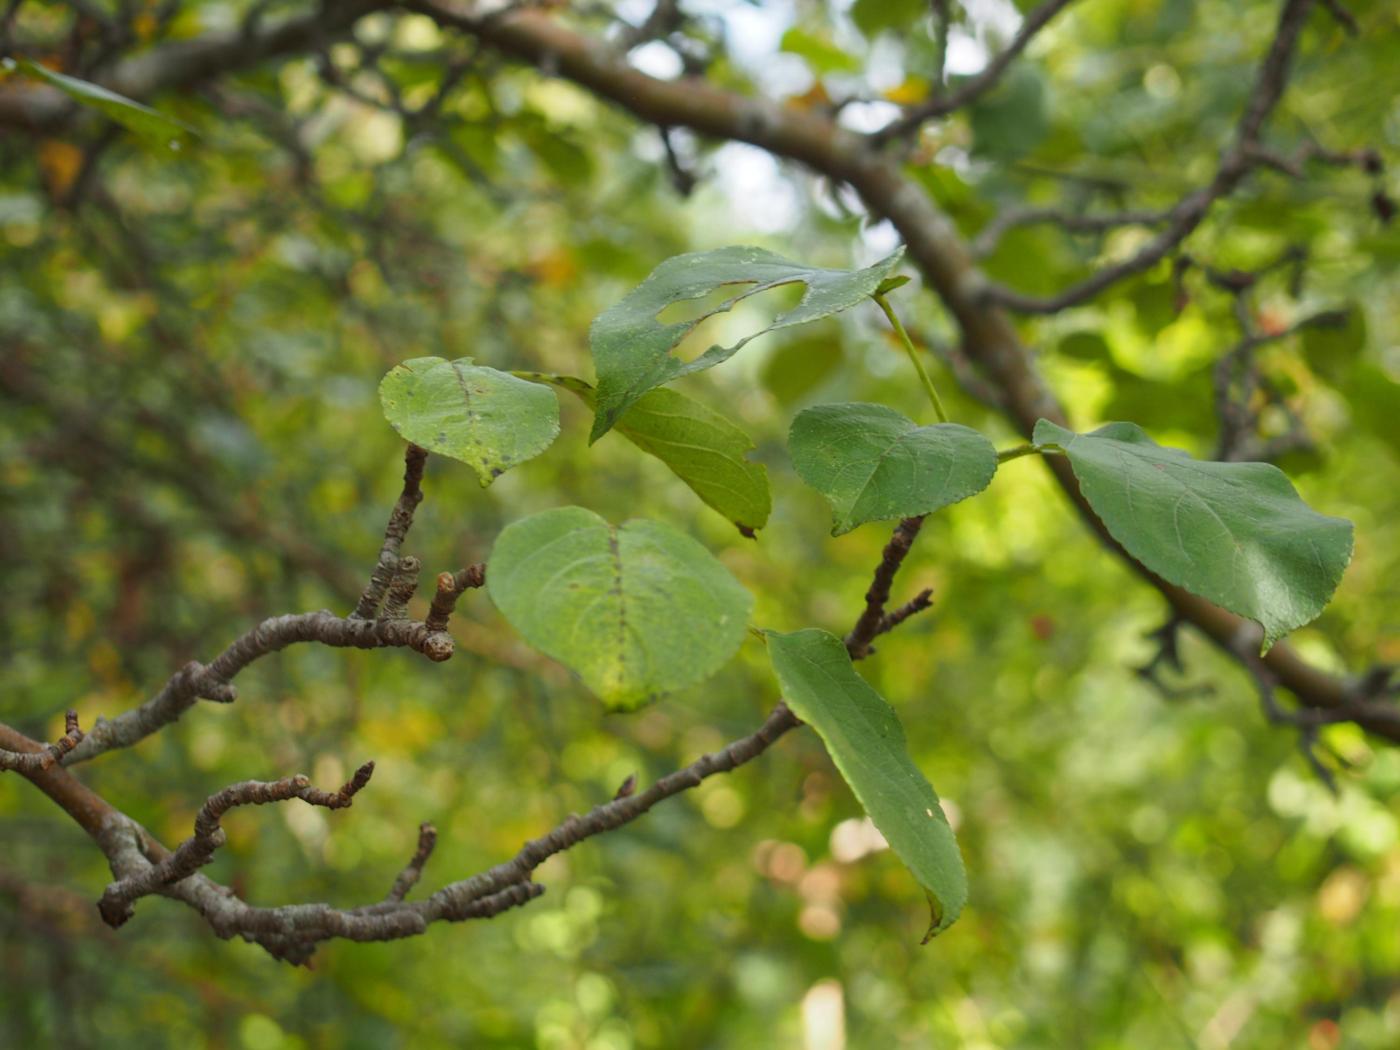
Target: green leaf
{"points": [[705, 450], [489, 420], [1011, 120], [865, 740], [820, 54], [1234, 533], [146, 122], [800, 366], [871, 16], [632, 350], [702, 448], [1332, 345], [637, 610], [872, 463]]}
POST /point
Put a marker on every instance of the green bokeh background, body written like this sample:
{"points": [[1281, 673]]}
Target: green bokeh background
{"points": [[190, 440]]}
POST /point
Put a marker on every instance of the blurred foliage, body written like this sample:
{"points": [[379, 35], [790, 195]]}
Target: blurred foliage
{"points": [[190, 441]]}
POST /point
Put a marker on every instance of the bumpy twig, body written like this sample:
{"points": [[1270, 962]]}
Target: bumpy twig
{"points": [[450, 587], [400, 521], [198, 850], [141, 866], [212, 681], [413, 871], [38, 761], [876, 598]]}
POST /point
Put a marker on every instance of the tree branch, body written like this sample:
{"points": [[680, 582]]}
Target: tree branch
{"points": [[198, 850], [142, 866], [400, 521], [979, 85], [878, 596], [989, 336], [185, 63], [1243, 156], [38, 761]]}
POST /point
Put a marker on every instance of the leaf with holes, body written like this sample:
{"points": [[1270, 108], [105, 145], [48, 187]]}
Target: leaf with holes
{"points": [[865, 740], [1234, 533], [145, 121], [872, 463], [489, 420], [636, 610], [702, 448], [632, 349]]}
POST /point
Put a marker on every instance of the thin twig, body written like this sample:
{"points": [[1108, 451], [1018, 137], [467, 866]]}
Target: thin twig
{"points": [[38, 761], [400, 521], [868, 625], [198, 850], [413, 871], [450, 587], [941, 105], [1242, 157]]}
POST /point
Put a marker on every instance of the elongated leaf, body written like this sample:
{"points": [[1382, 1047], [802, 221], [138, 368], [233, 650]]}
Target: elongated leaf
{"points": [[865, 740], [702, 448], [632, 349], [705, 450], [636, 610], [489, 420], [872, 463], [145, 121], [1235, 533]]}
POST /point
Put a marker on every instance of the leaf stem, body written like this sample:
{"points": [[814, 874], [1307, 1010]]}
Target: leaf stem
{"points": [[913, 356], [1017, 452]]}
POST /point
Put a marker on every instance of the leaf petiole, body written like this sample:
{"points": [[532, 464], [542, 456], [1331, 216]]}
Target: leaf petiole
{"points": [[913, 356]]}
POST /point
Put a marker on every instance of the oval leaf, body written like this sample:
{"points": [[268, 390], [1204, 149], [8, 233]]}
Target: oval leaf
{"points": [[637, 610], [632, 349], [1234, 533], [705, 450], [145, 121], [871, 463], [702, 448], [489, 420], [865, 740]]}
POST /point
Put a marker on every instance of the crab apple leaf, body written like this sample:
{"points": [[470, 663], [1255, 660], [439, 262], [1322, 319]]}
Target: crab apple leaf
{"points": [[1236, 534], [866, 741], [488, 419], [150, 124], [872, 463], [701, 447], [632, 349], [636, 610]]}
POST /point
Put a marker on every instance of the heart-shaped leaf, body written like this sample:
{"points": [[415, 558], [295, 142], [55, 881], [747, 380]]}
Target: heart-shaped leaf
{"points": [[632, 349], [636, 610], [702, 448], [872, 463], [865, 740], [489, 420], [1234, 533]]}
